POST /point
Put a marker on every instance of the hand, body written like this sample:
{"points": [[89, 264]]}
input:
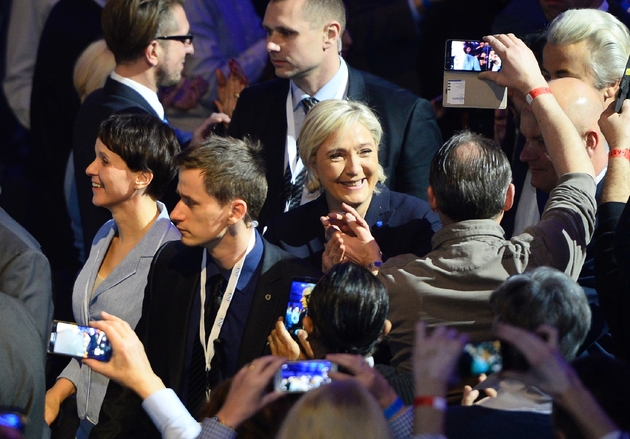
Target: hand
{"points": [[206, 127], [369, 377], [548, 370], [470, 395], [248, 393], [434, 358], [55, 396], [283, 345], [519, 68], [616, 126], [350, 238], [129, 364], [229, 89]]}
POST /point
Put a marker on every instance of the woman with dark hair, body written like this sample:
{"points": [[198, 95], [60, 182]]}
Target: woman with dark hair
{"points": [[131, 171], [347, 313]]}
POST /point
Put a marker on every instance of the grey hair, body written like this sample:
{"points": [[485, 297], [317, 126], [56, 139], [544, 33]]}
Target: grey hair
{"points": [[545, 296], [334, 117], [608, 41]]}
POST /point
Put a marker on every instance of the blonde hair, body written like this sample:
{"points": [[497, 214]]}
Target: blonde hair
{"points": [[92, 68], [338, 410], [332, 118]]}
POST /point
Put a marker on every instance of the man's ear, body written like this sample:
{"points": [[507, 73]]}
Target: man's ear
{"points": [[332, 33], [307, 323], [143, 179], [432, 200], [611, 91], [152, 53], [386, 328], [238, 210], [591, 142], [509, 197]]}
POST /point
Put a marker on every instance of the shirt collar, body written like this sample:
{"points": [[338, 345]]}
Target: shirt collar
{"points": [[252, 260], [329, 91], [149, 95]]}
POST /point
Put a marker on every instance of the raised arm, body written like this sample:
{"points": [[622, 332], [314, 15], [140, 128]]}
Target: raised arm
{"points": [[520, 71]]}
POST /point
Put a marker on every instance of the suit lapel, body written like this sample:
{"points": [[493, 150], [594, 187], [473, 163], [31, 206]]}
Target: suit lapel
{"points": [[264, 309]]}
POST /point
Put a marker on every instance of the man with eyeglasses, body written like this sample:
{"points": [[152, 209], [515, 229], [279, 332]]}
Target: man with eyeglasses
{"points": [[150, 40]]}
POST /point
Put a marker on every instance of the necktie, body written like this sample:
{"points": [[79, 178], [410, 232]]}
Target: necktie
{"points": [[292, 192], [198, 380]]}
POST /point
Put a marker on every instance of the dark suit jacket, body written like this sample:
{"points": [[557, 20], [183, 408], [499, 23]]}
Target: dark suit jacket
{"points": [[114, 97], [172, 285], [410, 133], [612, 259], [400, 224]]}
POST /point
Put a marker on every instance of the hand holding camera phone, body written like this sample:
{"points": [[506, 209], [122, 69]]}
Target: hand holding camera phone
{"points": [[302, 376], [463, 61], [79, 341], [297, 308]]}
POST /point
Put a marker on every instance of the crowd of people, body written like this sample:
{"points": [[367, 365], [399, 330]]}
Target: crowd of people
{"points": [[194, 199]]}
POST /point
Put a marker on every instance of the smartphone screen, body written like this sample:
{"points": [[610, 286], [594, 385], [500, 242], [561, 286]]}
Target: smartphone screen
{"points": [[470, 56], [482, 357], [297, 308], [302, 376], [79, 341]]}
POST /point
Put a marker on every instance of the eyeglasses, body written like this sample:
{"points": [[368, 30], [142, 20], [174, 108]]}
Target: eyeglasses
{"points": [[184, 39]]}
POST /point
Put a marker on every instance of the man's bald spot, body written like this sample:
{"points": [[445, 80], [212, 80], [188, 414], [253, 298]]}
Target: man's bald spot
{"points": [[580, 101]]}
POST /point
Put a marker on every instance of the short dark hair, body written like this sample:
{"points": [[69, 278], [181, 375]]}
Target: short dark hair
{"points": [[129, 26], [145, 143], [545, 296], [470, 176], [316, 12], [232, 168], [348, 307]]}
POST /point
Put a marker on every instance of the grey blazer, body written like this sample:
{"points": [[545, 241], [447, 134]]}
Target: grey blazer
{"points": [[121, 294]]}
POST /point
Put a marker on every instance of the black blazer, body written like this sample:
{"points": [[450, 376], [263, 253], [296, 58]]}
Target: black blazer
{"points": [[172, 285], [411, 136], [400, 224], [114, 97]]}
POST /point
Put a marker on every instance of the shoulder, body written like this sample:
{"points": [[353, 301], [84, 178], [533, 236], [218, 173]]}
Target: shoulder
{"points": [[299, 218], [379, 91], [278, 261], [408, 203], [265, 89]]}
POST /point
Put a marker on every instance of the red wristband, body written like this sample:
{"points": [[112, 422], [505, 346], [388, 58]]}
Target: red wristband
{"points": [[625, 153], [437, 402], [537, 92]]}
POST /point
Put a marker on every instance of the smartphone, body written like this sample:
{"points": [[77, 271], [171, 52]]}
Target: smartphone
{"points": [[463, 61], [297, 307], [470, 56], [79, 341], [12, 420], [481, 357], [624, 88], [302, 376]]}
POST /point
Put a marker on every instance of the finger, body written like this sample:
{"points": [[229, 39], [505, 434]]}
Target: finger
{"points": [[303, 338], [491, 393], [469, 396], [221, 81], [353, 363]]}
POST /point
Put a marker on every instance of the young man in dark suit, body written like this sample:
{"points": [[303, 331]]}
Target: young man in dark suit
{"points": [[303, 41], [246, 280]]}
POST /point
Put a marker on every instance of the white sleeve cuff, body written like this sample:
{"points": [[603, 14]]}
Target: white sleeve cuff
{"points": [[170, 416]]}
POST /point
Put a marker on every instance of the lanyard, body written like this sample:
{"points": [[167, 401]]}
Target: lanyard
{"points": [[208, 348]]}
